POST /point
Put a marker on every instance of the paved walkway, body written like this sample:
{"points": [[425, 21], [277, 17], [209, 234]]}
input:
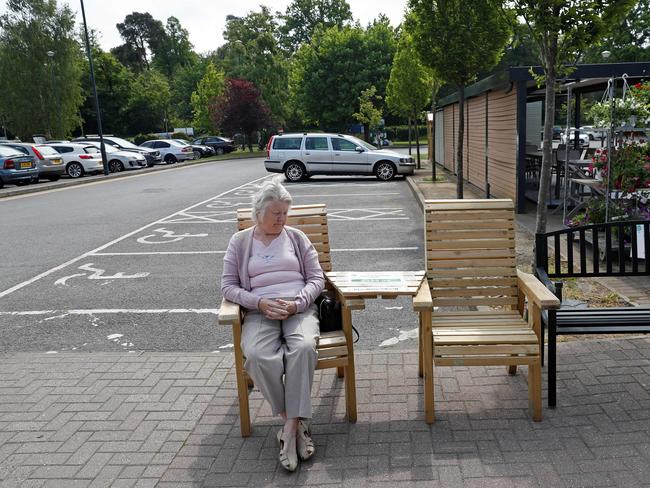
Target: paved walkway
{"points": [[171, 420]]}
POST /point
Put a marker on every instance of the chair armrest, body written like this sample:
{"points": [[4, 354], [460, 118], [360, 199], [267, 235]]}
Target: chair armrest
{"points": [[422, 300], [229, 313], [536, 291], [542, 276]]}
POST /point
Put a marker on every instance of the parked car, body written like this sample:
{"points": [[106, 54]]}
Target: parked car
{"points": [[584, 138], [299, 156], [16, 167], [152, 156], [119, 160], [48, 160], [557, 133], [199, 150], [221, 145], [79, 159], [594, 132], [170, 150]]}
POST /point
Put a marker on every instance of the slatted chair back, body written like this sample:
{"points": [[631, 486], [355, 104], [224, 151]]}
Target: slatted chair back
{"points": [[613, 250], [311, 219], [470, 255]]}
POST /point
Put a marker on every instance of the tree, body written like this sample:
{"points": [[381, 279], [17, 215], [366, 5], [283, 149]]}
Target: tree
{"points": [[142, 36], [182, 85], [458, 39], [114, 83], [147, 108], [174, 50], [627, 40], [410, 85], [303, 17], [328, 74], [40, 93], [562, 30], [252, 52], [210, 87], [240, 109], [368, 114]]}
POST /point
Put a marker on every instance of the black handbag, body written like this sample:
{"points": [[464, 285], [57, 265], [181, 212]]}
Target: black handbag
{"points": [[329, 315]]}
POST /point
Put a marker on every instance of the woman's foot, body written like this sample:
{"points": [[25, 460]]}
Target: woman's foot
{"points": [[288, 454], [304, 442]]}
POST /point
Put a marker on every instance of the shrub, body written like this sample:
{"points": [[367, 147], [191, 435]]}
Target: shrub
{"points": [[140, 138], [180, 135]]}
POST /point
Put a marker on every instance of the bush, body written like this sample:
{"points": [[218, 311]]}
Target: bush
{"points": [[180, 135], [140, 138], [401, 132]]}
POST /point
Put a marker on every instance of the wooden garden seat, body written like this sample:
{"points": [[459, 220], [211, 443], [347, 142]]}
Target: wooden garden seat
{"points": [[335, 349], [471, 269]]}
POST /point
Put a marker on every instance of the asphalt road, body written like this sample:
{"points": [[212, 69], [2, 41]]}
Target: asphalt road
{"points": [[134, 263]]}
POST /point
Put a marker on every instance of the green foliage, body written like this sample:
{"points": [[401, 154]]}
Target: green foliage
{"points": [[174, 50], [148, 103], [252, 52], [210, 87], [142, 35], [39, 94], [410, 85], [182, 85], [303, 17], [180, 135], [328, 74], [627, 40], [140, 138], [368, 113]]}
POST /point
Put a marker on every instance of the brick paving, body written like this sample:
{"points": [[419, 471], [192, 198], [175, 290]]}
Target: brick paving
{"points": [[171, 420]]}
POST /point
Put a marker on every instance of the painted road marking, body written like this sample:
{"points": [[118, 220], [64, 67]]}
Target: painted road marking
{"points": [[167, 237], [223, 252], [106, 311], [14, 288], [98, 274]]}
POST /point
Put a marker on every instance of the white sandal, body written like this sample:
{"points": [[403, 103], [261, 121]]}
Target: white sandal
{"points": [[288, 456], [305, 444]]}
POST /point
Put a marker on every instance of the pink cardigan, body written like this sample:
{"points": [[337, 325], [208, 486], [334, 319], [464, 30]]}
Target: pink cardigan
{"points": [[236, 283]]}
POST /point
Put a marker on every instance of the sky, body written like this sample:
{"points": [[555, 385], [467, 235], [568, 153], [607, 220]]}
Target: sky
{"points": [[205, 20]]}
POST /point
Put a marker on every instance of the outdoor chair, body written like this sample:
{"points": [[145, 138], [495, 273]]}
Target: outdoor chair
{"points": [[335, 349], [478, 296]]}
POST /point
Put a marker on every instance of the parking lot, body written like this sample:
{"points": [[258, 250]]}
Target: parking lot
{"points": [[156, 287]]}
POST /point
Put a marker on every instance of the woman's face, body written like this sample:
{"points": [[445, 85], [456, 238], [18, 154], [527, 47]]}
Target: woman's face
{"points": [[273, 218]]}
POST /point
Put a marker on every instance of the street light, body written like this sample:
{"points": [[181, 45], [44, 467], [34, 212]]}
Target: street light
{"points": [[102, 148]]}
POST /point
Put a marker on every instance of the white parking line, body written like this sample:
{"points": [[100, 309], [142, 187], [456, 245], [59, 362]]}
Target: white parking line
{"points": [[223, 252], [104, 246], [108, 311]]}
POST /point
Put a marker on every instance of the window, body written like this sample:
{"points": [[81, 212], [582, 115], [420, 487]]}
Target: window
{"points": [[343, 145], [63, 149], [162, 144], [21, 149], [287, 142], [317, 144], [91, 150]]}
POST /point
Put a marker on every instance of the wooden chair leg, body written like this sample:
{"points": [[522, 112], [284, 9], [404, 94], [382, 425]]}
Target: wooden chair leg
{"points": [[350, 382], [340, 372], [420, 353], [427, 366], [242, 383], [512, 369], [535, 391]]}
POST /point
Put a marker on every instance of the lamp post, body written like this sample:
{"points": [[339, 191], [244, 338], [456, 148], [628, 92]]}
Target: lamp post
{"points": [[102, 148]]}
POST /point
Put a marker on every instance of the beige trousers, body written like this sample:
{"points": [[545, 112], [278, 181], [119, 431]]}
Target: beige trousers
{"points": [[276, 348]]}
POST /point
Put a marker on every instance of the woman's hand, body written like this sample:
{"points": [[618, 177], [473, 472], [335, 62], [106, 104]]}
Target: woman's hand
{"points": [[277, 309]]}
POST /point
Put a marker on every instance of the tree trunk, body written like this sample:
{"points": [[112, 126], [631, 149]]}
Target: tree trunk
{"points": [[409, 136], [366, 132], [432, 149], [459, 148], [547, 148], [417, 143]]}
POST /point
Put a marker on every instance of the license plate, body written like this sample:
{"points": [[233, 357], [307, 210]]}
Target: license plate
{"points": [[26, 164], [57, 161]]}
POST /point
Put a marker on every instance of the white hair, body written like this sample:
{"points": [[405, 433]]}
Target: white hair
{"points": [[270, 191]]}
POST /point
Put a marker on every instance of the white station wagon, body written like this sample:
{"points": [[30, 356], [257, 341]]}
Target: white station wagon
{"points": [[299, 156]]}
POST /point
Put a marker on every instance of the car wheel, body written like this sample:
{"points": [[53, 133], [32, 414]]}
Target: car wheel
{"points": [[219, 151], [54, 178], [115, 166], [2, 183], [74, 170], [170, 159], [385, 171], [294, 171], [197, 154], [23, 183]]}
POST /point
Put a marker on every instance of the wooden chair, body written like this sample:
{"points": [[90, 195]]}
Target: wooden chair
{"points": [[335, 349], [470, 260]]}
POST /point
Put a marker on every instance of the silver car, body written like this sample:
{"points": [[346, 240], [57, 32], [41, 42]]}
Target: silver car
{"points": [[170, 150], [299, 156], [48, 161], [119, 160]]}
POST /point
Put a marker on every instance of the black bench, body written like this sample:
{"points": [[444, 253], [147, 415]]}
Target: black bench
{"points": [[595, 250]]}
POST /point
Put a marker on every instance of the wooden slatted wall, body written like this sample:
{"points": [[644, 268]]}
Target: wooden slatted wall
{"points": [[475, 160], [502, 147], [449, 137]]}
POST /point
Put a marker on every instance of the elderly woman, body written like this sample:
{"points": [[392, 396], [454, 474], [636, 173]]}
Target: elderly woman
{"points": [[272, 270]]}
